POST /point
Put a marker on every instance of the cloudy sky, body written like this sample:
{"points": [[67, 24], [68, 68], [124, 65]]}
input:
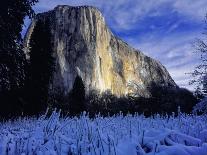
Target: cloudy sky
{"points": [[162, 29]]}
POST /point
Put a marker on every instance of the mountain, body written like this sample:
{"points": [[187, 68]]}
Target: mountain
{"points": [[83, 45]]}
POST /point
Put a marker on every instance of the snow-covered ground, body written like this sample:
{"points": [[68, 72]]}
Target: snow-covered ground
{"points": [[118, 135]]}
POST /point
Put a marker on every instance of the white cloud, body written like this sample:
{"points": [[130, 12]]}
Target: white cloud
{"points": [[191, 8], [124, 14]]}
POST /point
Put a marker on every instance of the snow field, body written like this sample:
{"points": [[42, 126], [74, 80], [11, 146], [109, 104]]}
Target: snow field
{"points": [[117, 135]]}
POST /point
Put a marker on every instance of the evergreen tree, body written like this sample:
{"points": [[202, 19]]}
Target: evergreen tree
{"points": [[12, 58], [77, 97], [200, 72], [40, 68]]}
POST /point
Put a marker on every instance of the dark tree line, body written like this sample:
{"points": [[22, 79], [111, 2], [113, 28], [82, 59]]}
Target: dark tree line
{"points": [[12, 58], [24, 84], [163, 100]]}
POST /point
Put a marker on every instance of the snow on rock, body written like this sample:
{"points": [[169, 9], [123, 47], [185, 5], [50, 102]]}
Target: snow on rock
{"points": [[117, 135]]}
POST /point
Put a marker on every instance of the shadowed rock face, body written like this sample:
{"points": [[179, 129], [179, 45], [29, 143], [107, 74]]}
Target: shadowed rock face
{"points": [[83, 45]]}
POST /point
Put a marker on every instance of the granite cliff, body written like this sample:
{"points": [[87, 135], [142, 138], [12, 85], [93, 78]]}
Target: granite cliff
{"points": [[83, 45]]}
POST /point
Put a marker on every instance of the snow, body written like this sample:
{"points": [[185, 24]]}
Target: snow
{"points": [[117, 135]]}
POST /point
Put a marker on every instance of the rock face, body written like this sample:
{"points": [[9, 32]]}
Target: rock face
{"points": [[83, 45]]}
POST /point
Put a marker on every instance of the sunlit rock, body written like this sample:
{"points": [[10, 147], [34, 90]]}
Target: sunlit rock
{"points": [[84, 45]]}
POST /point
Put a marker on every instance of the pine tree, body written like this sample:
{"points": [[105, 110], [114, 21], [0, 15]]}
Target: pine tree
{"points": [[200, 72], [77, 97], [40, 68]]}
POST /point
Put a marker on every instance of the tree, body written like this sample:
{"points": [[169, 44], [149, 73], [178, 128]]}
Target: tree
{"points": [[200, 72], [77, 97], [41, 67], [12, 58]]}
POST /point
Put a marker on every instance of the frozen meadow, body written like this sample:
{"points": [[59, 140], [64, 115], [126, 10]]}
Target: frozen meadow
{"points": [[117, 135]]}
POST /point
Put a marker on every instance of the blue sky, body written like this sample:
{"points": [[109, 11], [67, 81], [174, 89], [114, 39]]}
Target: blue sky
{"points": [[162, 29]]}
